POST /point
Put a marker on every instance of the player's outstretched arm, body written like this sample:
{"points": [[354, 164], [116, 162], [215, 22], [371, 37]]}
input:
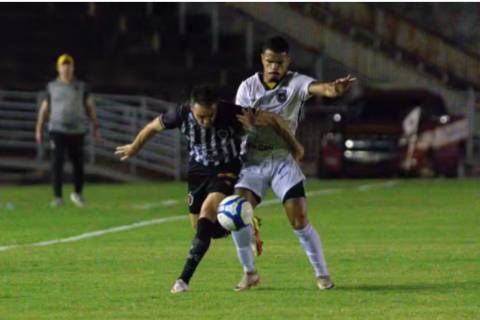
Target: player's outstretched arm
{"points": [[331, 89], [143, 137]]}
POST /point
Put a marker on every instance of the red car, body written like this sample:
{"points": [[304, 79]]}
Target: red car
{"points": [[395, 132]]}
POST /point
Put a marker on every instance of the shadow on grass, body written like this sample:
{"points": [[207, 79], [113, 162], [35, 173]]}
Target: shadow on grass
{"points": [[413, 286]]}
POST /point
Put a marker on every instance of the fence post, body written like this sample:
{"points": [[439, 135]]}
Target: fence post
{"points": [[133, 130], [471, 124], [181, 18], [143, 118], [249, 44], [215, 28], [178, 156], [40, 151], [149, 9], [92, 147]]}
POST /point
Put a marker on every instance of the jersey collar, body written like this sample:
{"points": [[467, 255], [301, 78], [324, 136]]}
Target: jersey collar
{"points": [[267, 88]]}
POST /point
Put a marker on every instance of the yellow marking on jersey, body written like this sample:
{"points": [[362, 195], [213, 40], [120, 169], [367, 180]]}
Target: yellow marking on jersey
{"points": [[271, 85]]}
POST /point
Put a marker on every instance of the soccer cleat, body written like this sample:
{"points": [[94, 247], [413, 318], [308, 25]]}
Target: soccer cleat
{"points": [[249, 279], [180, 286], [325, 282], [257, 244], [77, 199], [57, 202]]}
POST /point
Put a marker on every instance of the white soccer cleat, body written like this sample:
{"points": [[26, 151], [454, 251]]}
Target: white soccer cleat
{"points": [[77, 199], [249, 280], [180, 286], [57, 202], [325, 282]]}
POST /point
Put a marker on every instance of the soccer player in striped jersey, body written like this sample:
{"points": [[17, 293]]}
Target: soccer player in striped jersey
{"points": [[270, 163], [214, 130]]}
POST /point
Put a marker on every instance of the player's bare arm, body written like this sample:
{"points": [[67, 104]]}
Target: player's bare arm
{"points": [[331, 89], [265, 118], [282, 128], [42, 115], [142, 138], [89, 107]]}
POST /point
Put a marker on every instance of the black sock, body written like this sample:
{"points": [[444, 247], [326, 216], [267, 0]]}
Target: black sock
{"points": [[219, 232], [200, 245]]}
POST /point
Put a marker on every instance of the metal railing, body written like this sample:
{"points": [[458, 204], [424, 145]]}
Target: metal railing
{"points": [[120, 119]]}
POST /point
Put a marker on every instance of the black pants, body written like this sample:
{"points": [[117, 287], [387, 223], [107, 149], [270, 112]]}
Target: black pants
{"points": [[61, 143]]}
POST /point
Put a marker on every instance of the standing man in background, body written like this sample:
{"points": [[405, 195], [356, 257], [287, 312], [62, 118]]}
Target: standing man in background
{"points": [[67, 103]]}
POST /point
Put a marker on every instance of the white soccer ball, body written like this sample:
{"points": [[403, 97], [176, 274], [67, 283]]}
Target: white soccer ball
{"points": [[235, 213]]}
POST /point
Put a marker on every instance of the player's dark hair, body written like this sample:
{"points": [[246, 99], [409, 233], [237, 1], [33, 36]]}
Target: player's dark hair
{"points": [[204, 95], [277, 44]]}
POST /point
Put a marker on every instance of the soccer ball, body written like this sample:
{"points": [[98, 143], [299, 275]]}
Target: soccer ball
{"points": [[234, 213]]}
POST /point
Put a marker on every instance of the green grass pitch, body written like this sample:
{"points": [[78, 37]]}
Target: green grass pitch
{"points": [[410, 251]]}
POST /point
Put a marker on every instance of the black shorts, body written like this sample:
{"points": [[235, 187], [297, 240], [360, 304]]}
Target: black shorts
{"points": [[205, 180]]}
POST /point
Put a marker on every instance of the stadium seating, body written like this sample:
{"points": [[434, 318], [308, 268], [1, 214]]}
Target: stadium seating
{"points": [[117, 47]]}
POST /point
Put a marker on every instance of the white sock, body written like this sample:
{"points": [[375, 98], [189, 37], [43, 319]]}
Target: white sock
{"points": [[243, 240], [310, 241]]}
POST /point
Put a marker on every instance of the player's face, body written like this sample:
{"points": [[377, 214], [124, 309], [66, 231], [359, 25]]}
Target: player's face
{"points": [[66, 71], [275, 65], [205, 116]]}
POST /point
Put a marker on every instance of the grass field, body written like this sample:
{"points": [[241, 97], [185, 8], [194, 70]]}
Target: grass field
{"points": [[408, 251]]}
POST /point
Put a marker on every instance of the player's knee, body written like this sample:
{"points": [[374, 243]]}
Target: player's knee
{"points": [[210, 206], [209, 212], [297, 212], [249, 195], [299, 222], [243, 192]]}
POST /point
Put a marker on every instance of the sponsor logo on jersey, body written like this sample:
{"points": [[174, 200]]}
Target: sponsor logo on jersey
{"points": [[223, 134], [282, 95]]}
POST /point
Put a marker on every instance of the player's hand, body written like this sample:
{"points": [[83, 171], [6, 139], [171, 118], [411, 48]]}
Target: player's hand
{"points": [[254, 117], [38, 136], [96, 134], [343, 84], [247, 118], [298, 152], [126, 151]]}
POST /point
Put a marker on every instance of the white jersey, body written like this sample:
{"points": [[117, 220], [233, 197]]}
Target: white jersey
{"points": [[286, 100]]}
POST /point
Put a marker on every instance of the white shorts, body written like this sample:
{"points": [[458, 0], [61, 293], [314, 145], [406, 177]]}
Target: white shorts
{"points": [[279, 174]]}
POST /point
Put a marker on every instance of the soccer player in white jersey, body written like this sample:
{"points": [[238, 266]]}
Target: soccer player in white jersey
{"points": [[270, 162]]}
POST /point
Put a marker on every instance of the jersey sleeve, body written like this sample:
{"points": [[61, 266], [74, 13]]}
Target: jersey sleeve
{"points": [[173, 118], [228, 114], [236, 124], [243, 98], [302, 84]]}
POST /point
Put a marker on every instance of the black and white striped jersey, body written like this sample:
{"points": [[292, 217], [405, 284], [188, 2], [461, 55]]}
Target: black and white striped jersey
{"points": [[212, 147]]}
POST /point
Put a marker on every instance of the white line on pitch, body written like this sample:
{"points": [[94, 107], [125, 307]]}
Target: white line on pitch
{"points": [[97, 233], [170, 219], [366, 187], [145, 206], [308, 194]]}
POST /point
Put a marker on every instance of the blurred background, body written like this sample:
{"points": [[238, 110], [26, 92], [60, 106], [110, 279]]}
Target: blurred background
{"points": [[141, 58]]}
